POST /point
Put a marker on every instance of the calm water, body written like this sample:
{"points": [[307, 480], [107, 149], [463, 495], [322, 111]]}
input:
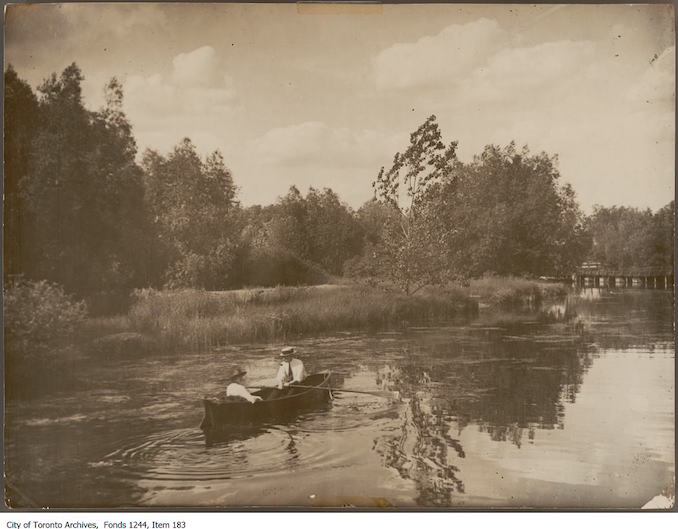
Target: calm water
{"points": [[571, 407]]}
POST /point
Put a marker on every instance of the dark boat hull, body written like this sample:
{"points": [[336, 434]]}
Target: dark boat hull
{"points": [[225, 415]]}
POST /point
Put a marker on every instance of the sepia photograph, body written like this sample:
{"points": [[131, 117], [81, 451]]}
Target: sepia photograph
{"points": [[338, 256]]}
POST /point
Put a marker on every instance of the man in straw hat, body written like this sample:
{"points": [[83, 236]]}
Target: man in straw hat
{"points": [[291, 369]]}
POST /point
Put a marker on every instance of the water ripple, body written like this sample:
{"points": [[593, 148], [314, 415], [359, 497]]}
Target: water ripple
{"points": [[185, 455]]}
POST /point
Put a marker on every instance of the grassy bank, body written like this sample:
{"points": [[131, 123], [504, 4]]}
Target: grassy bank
{"points": [[513, 292], [194, 319], [199, 319]]}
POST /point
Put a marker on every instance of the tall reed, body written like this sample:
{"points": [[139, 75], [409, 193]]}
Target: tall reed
{"points": [[199, 319]]}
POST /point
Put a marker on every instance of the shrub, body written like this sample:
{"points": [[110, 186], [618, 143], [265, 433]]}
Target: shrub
{"points": [[39, 315]]}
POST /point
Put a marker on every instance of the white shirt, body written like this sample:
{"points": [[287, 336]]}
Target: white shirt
{"points": [[236, 390], [292, 371]]}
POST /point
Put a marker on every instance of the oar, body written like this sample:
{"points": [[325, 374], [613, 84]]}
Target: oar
{"points": [[384, 394]]}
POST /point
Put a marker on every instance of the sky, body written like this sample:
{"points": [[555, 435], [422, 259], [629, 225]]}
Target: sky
{"points": [[324, 98]]}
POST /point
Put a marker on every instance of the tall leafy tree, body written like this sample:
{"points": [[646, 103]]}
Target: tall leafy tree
{"points": [[373, 263], [288, 226], [625, 237], [513, 215], [412, 237], [21, 123], [372, 216], [194, 210], [663, 237], [263, 259], [82, 191], [333, 231], [318, 228], [120, 195]]}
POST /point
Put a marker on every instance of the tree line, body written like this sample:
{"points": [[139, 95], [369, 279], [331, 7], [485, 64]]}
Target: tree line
{"points": [[625, 238], [84, 211]]}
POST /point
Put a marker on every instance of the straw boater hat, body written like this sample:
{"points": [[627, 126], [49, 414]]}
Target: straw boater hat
{"points": [[287, 352]]}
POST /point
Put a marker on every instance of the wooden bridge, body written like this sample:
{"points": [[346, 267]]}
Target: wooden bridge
{"points": [[594, 275]]}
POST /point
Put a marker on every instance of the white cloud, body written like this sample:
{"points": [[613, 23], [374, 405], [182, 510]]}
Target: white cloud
{"points": [[521, 71], [586, 91], [196, 100], [196, 68], [154, 95], [315, 154], [443, 58], [605, 111], [611, 151], [315, 143]]}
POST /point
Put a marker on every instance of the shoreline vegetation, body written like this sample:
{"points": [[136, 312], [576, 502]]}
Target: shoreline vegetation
{"points": [[49, 331], [193, 320], [110, 253]]}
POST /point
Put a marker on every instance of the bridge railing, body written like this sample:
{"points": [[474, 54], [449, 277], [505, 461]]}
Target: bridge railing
{"points": [[648, 271]]}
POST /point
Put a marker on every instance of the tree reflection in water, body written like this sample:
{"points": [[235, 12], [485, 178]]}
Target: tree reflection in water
{"points": [[509, 384], [424, 449]]}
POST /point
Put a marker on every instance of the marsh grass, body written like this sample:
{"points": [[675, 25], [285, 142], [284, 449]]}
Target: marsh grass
{"points": [[196, 319], [199, 319]]}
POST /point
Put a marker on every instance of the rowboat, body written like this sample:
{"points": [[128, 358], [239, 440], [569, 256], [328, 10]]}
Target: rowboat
{"points": [[276, 405]]}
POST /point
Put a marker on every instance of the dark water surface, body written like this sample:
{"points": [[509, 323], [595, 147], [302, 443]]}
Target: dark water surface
{"points": [[570, 407]]}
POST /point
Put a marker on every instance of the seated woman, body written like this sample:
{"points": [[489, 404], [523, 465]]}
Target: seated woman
{"points": [[238, 390]]}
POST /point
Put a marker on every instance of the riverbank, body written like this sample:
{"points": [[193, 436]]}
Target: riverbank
{"points": [[515, 292], [198, 320]]}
